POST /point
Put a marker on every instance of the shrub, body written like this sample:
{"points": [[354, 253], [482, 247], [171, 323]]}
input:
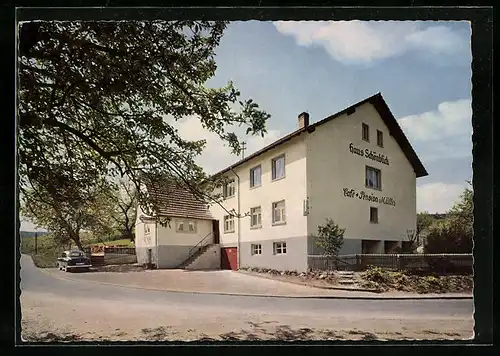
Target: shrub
{"points": [[376, 274], [330, 238]]}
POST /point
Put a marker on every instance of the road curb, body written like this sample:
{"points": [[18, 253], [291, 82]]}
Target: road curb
{"points": [[377, 297]]}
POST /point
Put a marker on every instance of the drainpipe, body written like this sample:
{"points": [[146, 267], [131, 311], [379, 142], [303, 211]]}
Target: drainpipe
{"points": [[156, 243], [239, 217]]}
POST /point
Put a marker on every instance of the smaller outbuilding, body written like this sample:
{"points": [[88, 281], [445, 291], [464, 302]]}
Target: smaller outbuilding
{"points": [[182, 235]]}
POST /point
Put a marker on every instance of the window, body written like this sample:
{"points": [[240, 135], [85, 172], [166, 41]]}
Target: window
{"points": [[256, 249], [188, 226], [279, 248], [255, 176], [279, 212], [180, 226], [366, 132], [228, 223], [374, 215], [255, 217], [147, 229], [278, 167], [373, 178], [228, 189], [380, 138]]}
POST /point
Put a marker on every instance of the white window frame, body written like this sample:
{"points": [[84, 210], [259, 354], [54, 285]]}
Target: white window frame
{"points": [[370, 183], [275, 206], [257, 213], [147, 229], [256, 249], [252, 178], [375, 221], [380, 138], [228, 223], [279, 248], [229, 189], [274, 172], [367, 138]]}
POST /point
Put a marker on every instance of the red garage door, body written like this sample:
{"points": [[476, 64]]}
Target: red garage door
{"points": [[229, 258]]}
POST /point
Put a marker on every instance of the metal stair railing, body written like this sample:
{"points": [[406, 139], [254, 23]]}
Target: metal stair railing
{"points": [[195, 248]]}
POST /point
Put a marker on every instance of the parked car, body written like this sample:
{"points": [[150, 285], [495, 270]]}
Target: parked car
{"points": [[73, 259]]}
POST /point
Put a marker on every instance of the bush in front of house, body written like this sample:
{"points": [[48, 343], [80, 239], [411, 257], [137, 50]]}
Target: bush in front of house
{"points": [[382, 280]]}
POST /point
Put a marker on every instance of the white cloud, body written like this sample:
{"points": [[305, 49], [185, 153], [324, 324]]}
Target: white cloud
{"points": [[451, 119], [216, 155], [442, 133], [366, 41], [438, 197]]}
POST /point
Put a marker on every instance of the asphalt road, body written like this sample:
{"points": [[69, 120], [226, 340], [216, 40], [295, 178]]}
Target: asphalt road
{"points": [[35, 281]]}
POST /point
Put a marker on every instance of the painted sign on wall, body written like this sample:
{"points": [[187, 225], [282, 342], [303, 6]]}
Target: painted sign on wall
{"points": [[362, 195], [374, 156]]}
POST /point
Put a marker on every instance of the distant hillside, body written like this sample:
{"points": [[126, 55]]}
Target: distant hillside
{"points": [[24, 234]]}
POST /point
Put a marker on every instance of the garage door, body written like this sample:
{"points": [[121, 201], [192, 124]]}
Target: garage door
{"points": [[229, 258]]}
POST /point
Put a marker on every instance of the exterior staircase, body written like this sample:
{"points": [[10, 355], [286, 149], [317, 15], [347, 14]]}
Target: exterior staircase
{"points": [[346, 278], [207, 257], [194, 256]]}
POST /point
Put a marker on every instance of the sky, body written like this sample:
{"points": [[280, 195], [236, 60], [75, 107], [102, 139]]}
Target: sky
{"points": [[422, 69]]}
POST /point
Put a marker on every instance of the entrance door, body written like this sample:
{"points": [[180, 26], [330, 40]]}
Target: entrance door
{"points": [[229, 258], [215, 229]]}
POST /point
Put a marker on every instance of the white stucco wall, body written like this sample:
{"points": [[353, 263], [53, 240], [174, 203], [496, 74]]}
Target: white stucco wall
{"points": [[144, 241], [331, 167], [169, 248], [167, 235], [291, 188]]}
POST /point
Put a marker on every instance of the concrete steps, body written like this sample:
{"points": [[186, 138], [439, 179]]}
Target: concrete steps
{"points": [[195, 256], [346, 278], [206, 258]]}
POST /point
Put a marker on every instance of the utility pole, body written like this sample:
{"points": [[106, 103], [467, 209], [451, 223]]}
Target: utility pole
{"points": [[243, 146], [36, 243]]}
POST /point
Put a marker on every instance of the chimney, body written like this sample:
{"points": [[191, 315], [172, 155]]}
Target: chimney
{"points": [[303, 120]]}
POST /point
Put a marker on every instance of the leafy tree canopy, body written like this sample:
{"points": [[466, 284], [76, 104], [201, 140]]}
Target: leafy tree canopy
{"points": [[455, 233], [101, 99], [66, 219]]}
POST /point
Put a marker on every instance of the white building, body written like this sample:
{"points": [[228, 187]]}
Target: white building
{"points": [[189, 239], [355, 167]]}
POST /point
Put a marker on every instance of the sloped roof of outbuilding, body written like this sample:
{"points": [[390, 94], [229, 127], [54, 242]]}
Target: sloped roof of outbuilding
{"points": [[174, 199]]}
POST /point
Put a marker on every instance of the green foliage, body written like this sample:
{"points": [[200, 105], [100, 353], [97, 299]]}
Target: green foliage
{"points": [[455, 233], [376, 274], [47, 250], [382, 280], [122, 208], [424, 221], [330, 238], [67, 217], [414, 237], [101, 99]]}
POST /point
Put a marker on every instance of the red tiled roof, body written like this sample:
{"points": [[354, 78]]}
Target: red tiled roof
{"points": [[175, 200], [381, 106]]}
